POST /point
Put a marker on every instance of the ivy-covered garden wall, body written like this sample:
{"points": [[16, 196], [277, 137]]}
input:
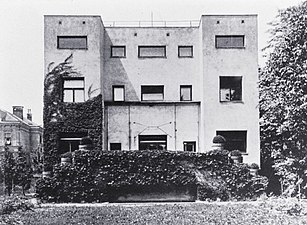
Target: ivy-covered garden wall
{"points": [[62, 117]]}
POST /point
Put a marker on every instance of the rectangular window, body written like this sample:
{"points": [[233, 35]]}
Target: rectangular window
{"points": [[235, 140], [230, 89], [74, 90], [185, 92], [69, 142], [118, 93], [7, 139], [118, 51], [189, 146], [152, 93], [152, 51], [152, 142], [229, 41], [185, 51], [72, 42], [115, 146]]}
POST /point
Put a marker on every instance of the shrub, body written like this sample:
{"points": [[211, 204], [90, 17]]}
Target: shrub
{"points": [[14, 203], [105, 175], [86, 141], [235, 153], [219, 139], [66, 155], [254, 166]]}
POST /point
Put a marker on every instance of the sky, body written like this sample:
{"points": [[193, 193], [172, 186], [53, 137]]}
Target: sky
{"points": [[21, 34]]}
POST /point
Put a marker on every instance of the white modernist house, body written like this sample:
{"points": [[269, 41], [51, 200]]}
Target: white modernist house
{"points": [[165, 87]]}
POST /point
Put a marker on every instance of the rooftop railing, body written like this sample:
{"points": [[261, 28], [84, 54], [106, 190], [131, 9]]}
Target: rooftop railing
{"points": [[183, 23]]}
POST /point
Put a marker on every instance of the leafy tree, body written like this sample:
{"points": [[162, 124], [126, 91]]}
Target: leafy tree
{"points": [[283, 96], [9, 164]]}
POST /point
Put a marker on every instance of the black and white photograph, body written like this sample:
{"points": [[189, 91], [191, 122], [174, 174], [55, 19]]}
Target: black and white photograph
{"points": [[153, 112]]}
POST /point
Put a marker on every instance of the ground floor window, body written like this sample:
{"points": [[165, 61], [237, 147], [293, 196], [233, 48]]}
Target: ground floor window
{"points": [[152, 142], [69, 142], [235, 140], [115, 146], [189, 146]]}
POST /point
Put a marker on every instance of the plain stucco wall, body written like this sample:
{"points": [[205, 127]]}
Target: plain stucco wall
{"points": [[231, 62], [178, 121]]}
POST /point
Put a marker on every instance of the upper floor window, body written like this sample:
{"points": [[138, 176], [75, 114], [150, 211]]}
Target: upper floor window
{"points": [[118, 93], [229, 41], [230, 89], [72, 42], [74, 90], [185, 51], [185, 92], [118, 51], [235, 140], [152, 51], [152, 93]]}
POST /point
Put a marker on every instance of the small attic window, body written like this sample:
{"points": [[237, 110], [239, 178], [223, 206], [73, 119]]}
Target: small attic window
{"points": [[242, 21]]}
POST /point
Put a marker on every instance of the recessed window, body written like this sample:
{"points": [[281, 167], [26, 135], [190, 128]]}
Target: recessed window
{"points": [[229, 41], [7, 139], [230, 89], [74, 90], [235, 140], [115, 146], [185, 92], [185, 51], [69, 142], [189, 146], [152, 93], [118, 51], [152, 142], [72, 42], [118, 93], [152, 51]]}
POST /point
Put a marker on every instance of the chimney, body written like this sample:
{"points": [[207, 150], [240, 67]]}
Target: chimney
{"points": [[18, 111], [29, 115]]}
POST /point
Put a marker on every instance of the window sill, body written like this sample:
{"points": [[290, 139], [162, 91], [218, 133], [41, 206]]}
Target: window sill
{"points": [[231, 102]]}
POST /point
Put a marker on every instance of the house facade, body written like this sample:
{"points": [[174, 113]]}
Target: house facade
{"points": [[162, 87]]}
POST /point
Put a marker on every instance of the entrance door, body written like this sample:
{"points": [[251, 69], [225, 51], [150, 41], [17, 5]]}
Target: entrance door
{"points": [[152, 142]]}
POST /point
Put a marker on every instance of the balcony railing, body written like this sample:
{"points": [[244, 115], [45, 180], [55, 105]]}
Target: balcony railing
{"points": [[183, 23]]}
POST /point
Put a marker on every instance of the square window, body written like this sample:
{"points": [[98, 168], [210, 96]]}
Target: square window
{"points": [[185, 92], [152, 51], [230, 89], [185, 51], [115, 146], [73, 90], [152, 93], [118, 51], [72, 42], [189, 146], [118, 93], [235, 140], [229, 41]]}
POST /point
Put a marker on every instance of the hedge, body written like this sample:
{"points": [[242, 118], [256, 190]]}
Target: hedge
{"points": [[97, 176]]}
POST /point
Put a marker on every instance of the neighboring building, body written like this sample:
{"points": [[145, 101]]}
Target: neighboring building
{"points": [[164, 87], [19, 131]]}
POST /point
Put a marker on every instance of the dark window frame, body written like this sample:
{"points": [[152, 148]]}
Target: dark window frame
{"points": [[186, 143], [118, 86], [229, 36], [244, 141], [73, 89], [185, 46], [72, 36], [114, 144], [118, 47], [151, 46], [240, 90], [186, 86], [148, 86]]}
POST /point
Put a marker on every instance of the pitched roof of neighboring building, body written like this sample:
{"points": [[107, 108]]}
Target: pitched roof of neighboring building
{"points": [[6, 116]]}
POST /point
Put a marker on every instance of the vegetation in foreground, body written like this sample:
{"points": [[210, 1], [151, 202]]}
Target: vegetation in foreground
{"points": [[271, 211]]}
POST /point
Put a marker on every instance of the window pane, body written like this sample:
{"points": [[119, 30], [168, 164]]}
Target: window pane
{"points": [[229, 41], [68, 96], [153, 97], [185, 51], [118, 94], [79, 95], [152, 93], [73, 42], [118, 51], [189, 146], [152, 142], [185, 93], [235, 140], [115, 146], [73, 83], [230, 89], [152, 51]]}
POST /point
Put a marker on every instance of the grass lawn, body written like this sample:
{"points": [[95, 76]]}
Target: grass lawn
{"points": [[161, 213]]}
